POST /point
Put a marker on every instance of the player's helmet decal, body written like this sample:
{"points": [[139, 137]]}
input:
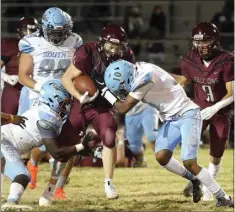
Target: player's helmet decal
{"points": [[205, 39], [112, 42], [26, 26], [56, 97], [56, 25], [118, 77]]}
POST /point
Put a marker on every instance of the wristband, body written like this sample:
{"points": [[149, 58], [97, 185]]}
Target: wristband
{"points": [[109, 97], [37, 87], [79, 147]]}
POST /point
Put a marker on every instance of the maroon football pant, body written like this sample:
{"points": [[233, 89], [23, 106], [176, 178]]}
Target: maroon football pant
{"points": [[102, 119], [10, 100], [219, 133]]}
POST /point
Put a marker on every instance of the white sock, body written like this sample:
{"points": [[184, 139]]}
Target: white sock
{"points": [[16, 191], [61, 182], [206, 178], [176, 167], [214, 169], [106, 180], [2, 179], [48, 192], [51, 162]]}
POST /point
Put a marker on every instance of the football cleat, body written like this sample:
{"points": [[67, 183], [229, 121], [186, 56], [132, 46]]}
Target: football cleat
{"points": [[45, 201], [60, 194], [222, 201], [33, 170], [197, 192], [11, 206], [207, 195], [110, 190]]}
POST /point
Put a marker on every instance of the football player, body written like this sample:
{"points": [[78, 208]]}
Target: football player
{"points": [[91, 59], [154, 86], [46, 54], [10, 59], [42, 124], [211, 70]]}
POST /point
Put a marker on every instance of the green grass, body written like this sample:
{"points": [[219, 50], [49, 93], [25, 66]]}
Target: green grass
{"points": [[142, 189]]}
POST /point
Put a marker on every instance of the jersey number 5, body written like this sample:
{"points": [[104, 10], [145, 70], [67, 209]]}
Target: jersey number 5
{"points": [[208, 91]]}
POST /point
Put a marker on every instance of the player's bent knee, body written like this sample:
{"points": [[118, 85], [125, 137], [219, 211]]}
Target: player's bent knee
{"points": [[163, 157], [22, 179], [108, 138]]}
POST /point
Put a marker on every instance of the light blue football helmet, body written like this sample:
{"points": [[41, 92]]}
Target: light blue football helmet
{"points": [[55, 25], [56, 97], [118, 77]]}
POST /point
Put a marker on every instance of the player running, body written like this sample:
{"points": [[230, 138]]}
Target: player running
{"points": [[154, 86], [211, 70], [42, 125], [46, 54], [91, 59]]}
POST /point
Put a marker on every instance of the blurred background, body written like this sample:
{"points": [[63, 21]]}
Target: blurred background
{"points": [[158, 31]]}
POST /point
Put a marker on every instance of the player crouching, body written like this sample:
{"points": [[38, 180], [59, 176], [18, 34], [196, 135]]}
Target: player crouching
{"points": [[42, 125]]}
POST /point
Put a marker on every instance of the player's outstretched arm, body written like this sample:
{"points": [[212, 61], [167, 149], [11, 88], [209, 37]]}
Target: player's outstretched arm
{"points": [[17, 120], [182, 80], [67, 80]]}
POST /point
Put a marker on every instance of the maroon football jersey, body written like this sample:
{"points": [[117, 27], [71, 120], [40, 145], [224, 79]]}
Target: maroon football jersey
{"points": [[10, 55], [208, 82], [88, 60]]}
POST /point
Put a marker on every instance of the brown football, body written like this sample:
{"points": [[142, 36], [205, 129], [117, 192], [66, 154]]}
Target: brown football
{"points": [[84, 83]]}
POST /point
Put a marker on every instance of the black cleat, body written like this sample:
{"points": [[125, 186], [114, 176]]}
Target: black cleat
{"points": [[188, 190], [197, 191], [224, 202]]}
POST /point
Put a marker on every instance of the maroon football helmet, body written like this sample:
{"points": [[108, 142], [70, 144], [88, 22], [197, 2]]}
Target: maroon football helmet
{"points": [[112, 42], [26, 26], [205, 39]]}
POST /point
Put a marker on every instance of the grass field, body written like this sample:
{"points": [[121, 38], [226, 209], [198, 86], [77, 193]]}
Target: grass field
{"points": [[142, 189]]}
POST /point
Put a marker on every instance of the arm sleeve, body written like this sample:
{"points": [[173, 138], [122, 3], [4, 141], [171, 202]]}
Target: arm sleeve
{"points": [[228, 74], [141, 91], [82, 60], [25, 46], [46, 129]]}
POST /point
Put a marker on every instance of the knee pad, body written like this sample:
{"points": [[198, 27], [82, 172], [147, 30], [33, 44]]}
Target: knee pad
{"points": [[108, 138], [22, 179]]}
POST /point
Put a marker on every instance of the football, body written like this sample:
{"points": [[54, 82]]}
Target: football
{"points": [[84, 83]]}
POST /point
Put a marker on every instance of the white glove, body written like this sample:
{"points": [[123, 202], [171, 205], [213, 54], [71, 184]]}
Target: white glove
{"points": [[208, 112], [37, 87], [85, 98], [11, 79]]}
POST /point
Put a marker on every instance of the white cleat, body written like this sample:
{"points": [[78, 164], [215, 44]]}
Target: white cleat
{"points": [[14, 207], [207, 195], [110, 190], [45, 202]]}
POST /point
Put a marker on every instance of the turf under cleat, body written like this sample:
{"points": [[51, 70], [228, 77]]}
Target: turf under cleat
{"points": [[197, 191], [11, 206], [60, 194], [33, 170], [222, 201]]}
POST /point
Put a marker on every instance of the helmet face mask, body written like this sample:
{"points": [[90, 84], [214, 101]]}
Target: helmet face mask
{"points": [[112, 42], [56, 26], [205, 40]]}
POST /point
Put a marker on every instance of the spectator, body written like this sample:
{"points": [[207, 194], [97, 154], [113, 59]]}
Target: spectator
{"points": [[157, 22]]}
